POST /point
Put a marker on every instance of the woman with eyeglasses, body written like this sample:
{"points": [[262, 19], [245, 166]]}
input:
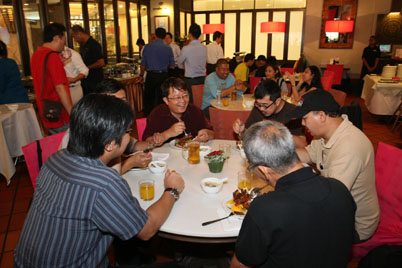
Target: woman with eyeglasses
{"points": [[310, 80]]}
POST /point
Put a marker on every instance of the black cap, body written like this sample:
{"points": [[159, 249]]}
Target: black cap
{"points": [[316, 100]]}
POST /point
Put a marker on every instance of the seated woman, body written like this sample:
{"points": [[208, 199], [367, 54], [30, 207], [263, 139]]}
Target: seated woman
{"points": [[310, 80], [176, 117], [11, 88], [273, 72]]}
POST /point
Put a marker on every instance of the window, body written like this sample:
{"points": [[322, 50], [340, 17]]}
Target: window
{"points": [[278, 39], [123, 33], [109, 29], [230, 34], [268, 4], [207, 5], [8, 34], [144, 23], [134, 25], [295, 35], [238, 5]]}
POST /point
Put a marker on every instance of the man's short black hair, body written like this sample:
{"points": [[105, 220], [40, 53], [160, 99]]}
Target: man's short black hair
{"points": [[78, 29], [160, 33], [168, 33], [195, 30], [140, 41], [216, 35], [172, 82], [249, 57], [97, 120], [267, 87], [262, 57], [221, 61], [3, 49], [109, 86], [52, 30]]}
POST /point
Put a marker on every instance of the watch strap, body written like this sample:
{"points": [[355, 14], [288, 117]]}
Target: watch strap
{"points": [[174, 192]]}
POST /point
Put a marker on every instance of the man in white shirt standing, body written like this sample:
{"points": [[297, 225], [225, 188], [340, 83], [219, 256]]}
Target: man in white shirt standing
{"points": [[176, 54], [75, 70], [214, 51], [193, 59]]}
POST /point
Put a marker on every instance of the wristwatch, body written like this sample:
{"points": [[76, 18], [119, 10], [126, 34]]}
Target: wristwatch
{"points": [[174, 192]]}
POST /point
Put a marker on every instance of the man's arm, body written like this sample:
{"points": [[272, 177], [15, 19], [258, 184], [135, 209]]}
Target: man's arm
{"points": [[98, 64], [182, 59], [160, 210], [64, 97], [303, 155], [300, 141], [236, 263]]}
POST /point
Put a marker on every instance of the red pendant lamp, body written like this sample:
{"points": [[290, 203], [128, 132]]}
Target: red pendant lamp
{"points": [[272, 27], [212, 28], [339, 26]]}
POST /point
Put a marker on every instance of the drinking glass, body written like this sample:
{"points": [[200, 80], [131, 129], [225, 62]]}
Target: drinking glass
{"points": [[194, 152], [147, 189], [225, 148], [184, 151], [244, 180], [225, 101]]}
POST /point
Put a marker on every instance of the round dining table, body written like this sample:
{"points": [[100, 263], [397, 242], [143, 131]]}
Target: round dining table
{"points": [[244, 103], [18, 127], [194, 205]]}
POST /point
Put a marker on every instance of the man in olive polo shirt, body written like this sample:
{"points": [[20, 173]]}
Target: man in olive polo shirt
{"points": [[91, 53]]}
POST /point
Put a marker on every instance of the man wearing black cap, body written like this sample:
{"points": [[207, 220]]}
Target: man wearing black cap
{"points": [[342, 152]]}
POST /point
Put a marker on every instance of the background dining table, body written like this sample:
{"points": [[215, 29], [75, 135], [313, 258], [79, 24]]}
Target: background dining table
{"points": [[195, 206], [17, 128], [244, 103]]}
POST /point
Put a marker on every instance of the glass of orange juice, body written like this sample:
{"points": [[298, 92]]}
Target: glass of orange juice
{"points": [[147, 189], [243, 180], [225, 101], [193, 152]]}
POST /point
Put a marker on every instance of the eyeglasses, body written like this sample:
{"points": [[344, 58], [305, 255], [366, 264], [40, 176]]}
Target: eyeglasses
{"points": [[128, 131], [183, 97], [251, 167], [262, 105]]}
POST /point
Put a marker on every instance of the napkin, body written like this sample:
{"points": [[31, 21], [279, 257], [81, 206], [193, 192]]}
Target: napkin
{"points": [[159, 156], [232, 223]]}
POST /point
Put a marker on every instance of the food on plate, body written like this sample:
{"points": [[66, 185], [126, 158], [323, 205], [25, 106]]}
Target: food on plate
{"points": [[160, 164], [240, 202], [239, 145], [211, 184], [182, 141], [204, 149], [152, 165]]}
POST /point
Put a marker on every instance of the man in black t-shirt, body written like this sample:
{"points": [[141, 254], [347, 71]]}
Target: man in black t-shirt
{"points": [[91, 53], [308, 221], [371, 57]]}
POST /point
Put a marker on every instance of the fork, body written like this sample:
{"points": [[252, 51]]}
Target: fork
{"points": [[213, 221], [184, 130]]}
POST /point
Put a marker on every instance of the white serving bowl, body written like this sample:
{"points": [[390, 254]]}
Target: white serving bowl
{"points": [[204, 150], [249, 103], [157, 167], [12, 107], [212, 185]]}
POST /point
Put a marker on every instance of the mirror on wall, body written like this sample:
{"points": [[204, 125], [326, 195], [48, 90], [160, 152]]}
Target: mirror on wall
{"points": [[337, 23]]}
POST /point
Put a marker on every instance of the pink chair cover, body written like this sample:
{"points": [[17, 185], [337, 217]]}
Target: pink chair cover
{"points": [[388, 172], [338, 70], [198, 92], [327, 82], [222, 121], [49, 146], [141, 125], [289, 70], [253, 83]]}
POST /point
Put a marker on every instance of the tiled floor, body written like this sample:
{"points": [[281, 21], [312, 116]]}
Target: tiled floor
{"points": [[21, 186]]}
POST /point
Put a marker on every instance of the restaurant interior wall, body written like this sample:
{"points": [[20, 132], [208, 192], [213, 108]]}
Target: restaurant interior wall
{"points": [[166, 9], [366, 20]]}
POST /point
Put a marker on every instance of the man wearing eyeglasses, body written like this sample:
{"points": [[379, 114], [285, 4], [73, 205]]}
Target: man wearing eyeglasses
{"points": [[308, 221], [268, 105], [176, 117]]}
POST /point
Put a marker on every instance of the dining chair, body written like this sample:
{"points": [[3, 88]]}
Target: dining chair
{"points": [[36, 153], [141, 125], [222, 121], [198, 92], [289, 70], [326, 82], [339, 96], [253, 83], [388, 174], [338, 70]]}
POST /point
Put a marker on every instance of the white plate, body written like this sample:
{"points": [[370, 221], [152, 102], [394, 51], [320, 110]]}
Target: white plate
{"points": [[227, 207], [159, 156], [173, 145]]}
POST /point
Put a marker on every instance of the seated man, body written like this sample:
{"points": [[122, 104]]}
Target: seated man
{"points": [[343, 152], [308, 221], [176, 117], [221, 80], [258, 68], [269, 106], [80, 204], [242, 70], [114, 88]]}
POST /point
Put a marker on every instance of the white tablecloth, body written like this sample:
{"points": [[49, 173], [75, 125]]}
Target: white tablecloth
{"points": [[381, 98], [236, 105], [194, 206], [17, 128]]}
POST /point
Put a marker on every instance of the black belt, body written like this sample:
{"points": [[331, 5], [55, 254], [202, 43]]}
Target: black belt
{"points": [[157, 72], [194, 77]]}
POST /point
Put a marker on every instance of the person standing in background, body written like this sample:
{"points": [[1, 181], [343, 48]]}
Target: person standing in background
{"points": [[11, 89], [176, 54], [91, 53], [371, 58], [214, 52], [193, 59], [76, 70], [140, 43]]}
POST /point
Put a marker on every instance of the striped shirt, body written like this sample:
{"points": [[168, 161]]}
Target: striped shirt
{"points": [[78, 206]]}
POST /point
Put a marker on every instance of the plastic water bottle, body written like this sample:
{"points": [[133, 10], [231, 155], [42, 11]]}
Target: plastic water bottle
{"points": [[218, 96]]}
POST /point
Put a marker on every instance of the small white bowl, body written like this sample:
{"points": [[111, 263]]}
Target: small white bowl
{"points": [[242, 153], [157, 167], [249, 103], [12, 107], [204, 150], [212, 185]]}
